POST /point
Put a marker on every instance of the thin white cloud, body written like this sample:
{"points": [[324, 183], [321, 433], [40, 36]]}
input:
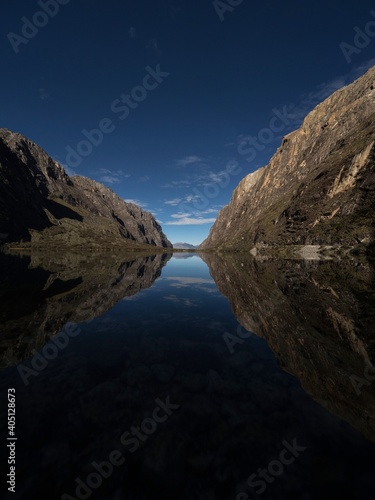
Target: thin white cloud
{"points": [[207, 289], [177, 184], [307, 102], [189, 160], [214, 177], [206, 285], [362, 68], [110, 180], [180, 216], [189, 221], [184, 280], [174, 202], [184, 301], [209, 211], [144, 178], [325, 89], [190, 198], [139, 203], [70, 171], [132, 32], [112, 176]]}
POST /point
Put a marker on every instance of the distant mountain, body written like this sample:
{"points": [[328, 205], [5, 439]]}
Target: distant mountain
{"points": [[319, 187], [40, 205], [184, 246]]}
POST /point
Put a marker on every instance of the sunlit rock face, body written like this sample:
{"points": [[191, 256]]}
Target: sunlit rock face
{"points": [[319, 187], [319, 320], [40, 204]]}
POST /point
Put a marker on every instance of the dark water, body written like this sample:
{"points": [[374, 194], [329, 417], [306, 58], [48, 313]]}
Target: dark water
{"points": [[222, 378]]}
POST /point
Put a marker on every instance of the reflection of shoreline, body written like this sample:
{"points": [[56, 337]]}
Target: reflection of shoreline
{"points": [[184, 255], [40, 293], [318, 318]]}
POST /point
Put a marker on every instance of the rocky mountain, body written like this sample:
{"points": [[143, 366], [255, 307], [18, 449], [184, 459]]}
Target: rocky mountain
{"points": [[319, 187], [184, 246], [40, 205]]}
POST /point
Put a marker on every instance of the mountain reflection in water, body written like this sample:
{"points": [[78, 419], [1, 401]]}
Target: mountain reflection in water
{"points": [[156, 329]]}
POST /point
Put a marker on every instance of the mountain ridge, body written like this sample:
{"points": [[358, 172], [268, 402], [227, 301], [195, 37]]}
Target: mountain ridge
{"points": [[184, 246], [41, 205], [318, 188]]}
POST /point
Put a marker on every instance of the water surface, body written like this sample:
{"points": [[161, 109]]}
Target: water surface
{"points": [[245, 360]]}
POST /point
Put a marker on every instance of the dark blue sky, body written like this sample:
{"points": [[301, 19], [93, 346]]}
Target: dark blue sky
{"points": [[179, 145]]}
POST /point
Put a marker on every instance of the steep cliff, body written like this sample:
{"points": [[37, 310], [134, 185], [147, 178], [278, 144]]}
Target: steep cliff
{"points": [[41, 205], [319, 187]]}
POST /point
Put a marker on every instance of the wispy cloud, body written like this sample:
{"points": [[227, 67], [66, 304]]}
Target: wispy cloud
{"points": [[190, 198], [185, 280], [186, 183], [298, 111], [180, 216], [69, 171], [210, 211], [202, 284], [362, 68], [196, 213], [188, 221], [186, 302], [144, 178], [189, 201], [174, 202], [139, 203], [189, 160], [201, 174], [110, 180], [312, 99], [112, 176]]}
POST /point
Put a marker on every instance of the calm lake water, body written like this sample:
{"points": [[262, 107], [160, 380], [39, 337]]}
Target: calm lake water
{"points": [[183, 378]]}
